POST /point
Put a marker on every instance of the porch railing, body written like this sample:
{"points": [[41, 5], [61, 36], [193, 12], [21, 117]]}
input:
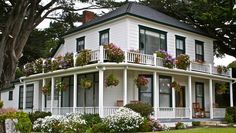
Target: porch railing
{"points": [[163, 112], [109, 110], [218, 112], [87, 110]]}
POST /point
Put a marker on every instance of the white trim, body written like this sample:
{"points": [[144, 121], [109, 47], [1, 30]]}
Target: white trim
{"points": [[52, 92], [125, 86], [155, 91], [190, 97], [211, 100], [173, 93], [24, 95], [75, 93], [43, 96], [100, 93], [231, 94]]}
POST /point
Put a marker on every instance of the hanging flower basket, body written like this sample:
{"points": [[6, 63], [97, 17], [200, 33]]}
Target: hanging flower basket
{"points": [[176, 86], [46, 89], [61, 86], [221, 88], [141, 81], [111, 80], [221, 69], [86, 83]]}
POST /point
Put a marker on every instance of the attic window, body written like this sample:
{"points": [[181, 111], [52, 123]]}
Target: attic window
{"points": [[104, 37]]}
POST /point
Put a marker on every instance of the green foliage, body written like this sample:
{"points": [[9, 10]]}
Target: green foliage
{"points": [[196, 123], [83, 58], [24, 124], [144, 109], [179, 125], [182, 62], [230, 112], [38, 114], [111, 80], [114, 53], [99, 128], [145, 127], [19, 73], [229, 118], [91, 119], [232, 65], [1, 104]]}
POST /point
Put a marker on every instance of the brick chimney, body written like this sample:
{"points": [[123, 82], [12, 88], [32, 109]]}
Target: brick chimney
{"points": [[87, 16]]}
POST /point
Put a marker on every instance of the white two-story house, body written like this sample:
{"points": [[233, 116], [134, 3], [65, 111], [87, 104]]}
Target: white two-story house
{"points": [[131, 27]]}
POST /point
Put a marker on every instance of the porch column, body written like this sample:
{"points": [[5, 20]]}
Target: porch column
{"points": [[43, 96], [24, 96], [125, 87], [190, 97], [231, 94], [75, 93], [52, 93], [173, 93], [210, 96], [155, 93], [101, 87]]}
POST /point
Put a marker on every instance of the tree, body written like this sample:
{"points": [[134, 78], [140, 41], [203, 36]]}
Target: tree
{"points": [[18, 19]]}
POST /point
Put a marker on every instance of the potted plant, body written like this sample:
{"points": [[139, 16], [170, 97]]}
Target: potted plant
{"points": [[199, 61], [114, 53], [46, 89], [176, 86], [221, 88], [221, 69], [47, 66], [29, 69], [61, 86], [168, 60], [111, 80], [56, 63], [141, 81], [68, 60], [182, 61], [38, 65], [83, 58]]}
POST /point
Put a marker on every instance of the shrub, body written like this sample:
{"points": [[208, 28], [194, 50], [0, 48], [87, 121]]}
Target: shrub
{"points": [[229, 118], [179, 125], [29, 69], [196, 123], [38, 65], [142, 108], [114, 53], [99, 128], [182, 61], [24, 124], [91, 119], [146, 126], [83, 58], [68, 61], [231, 111], [1, 104], [19, 73], [38, 114], [124, 120], [47, 66]]}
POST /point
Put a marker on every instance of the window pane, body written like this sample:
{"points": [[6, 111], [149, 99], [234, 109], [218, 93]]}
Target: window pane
{"points": [[29, 96], [146, 98], [165, 92], [165, 85], [165, 100], [80, 44], [104, 38]]}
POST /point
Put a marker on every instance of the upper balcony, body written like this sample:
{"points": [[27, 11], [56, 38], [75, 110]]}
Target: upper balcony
{"points": [[100, 56]]}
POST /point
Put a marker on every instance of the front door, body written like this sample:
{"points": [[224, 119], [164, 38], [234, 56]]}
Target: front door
{"points": [[200, 94], [146, 93], [180, 97]]}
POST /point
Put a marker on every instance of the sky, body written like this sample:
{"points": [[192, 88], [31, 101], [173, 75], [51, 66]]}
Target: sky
{"points": [[217, 61]]}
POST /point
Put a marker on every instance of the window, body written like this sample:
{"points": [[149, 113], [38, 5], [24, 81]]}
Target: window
{"points": [[29, 96], [180, 45], [80, 42], [67, 95], [104, 37], [222, 100], [10, 96], [151, 40], [200, 94], [21, 97], [146, 94], [165, 91], [199, 51]]}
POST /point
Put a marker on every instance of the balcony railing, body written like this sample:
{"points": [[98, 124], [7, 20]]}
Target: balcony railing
{"points": [[100, 55]]}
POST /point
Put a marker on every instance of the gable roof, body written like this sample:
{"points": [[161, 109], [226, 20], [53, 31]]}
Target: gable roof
{"points": [[140, 11]]}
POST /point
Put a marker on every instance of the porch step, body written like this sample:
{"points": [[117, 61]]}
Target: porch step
{"points": [[212, 123]]}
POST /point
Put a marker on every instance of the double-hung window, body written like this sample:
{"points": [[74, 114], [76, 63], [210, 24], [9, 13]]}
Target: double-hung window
{"points": [[104, 37], [146, 93], [165, 91], [21, 97], [151, 40], [199, 51], [10, 96], [80, 42], [29, 96], [180, 45]]}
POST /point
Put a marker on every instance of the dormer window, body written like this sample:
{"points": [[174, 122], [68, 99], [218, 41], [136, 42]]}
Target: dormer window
{"points": [[104, 37], [199, 51], [80, 42]]}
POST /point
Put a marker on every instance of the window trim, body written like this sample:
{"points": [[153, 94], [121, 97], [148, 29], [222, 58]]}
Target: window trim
{"points": [[153, 30], [103, 32], [203, 97], [197, 42], [21, 87], [177, 37], [162, 76], [29, 85], [77, 40], [152, 94], [10, 95]]}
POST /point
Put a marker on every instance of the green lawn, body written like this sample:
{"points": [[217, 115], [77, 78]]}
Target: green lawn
{"points": [[205, 130]]}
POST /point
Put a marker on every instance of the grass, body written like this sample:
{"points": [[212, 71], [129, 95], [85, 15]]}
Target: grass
{"points": [[205, 130]]}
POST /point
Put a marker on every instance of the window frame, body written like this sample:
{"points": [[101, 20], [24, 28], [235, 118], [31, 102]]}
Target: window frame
{"points": [[10, 95], [77, 46], [139, 90], [104, 32], [203, 93], [21, 89], [170, 94], [197, 42], [177, 37], [141, 27], [32, 91]]}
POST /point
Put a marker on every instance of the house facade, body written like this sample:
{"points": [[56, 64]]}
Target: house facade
{"points": [[131, 27]]}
